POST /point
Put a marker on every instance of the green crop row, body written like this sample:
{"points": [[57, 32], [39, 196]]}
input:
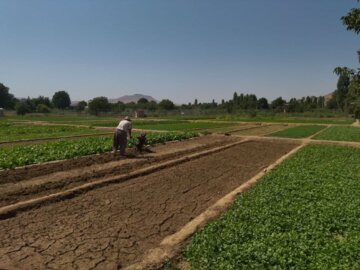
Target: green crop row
{"points": [[11, 157], [297, 132], [13, 132], [303, 215], [340, 134]]}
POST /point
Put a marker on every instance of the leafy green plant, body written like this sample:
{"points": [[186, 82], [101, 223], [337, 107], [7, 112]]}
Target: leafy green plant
{"points": [[297, 132], [13, 132], [302, 215], [11, 157], [340, 134]]}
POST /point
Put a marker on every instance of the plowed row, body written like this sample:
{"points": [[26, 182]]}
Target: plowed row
{"points": [[115, 225]]}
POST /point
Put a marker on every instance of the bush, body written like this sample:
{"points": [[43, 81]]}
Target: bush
{"points": [[42, 108]]}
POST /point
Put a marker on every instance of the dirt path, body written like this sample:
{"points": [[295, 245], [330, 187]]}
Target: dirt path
{"points": [[14, 188], [115, 225]]}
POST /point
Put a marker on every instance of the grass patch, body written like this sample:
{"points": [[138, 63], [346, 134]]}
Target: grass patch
{"points": [[302, 215], [297, 132], [340, 134], [15, 156]]}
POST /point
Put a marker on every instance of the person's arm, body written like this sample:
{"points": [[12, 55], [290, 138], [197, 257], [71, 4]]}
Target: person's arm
{"points": [[129, 133]]}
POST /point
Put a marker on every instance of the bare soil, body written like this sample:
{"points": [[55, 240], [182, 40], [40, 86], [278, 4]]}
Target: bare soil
{"points": [[14, 188], [31, 171], [115, 225]]}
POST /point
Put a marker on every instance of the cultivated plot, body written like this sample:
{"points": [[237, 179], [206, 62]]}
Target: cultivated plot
{"points": [[340, 134], [302, 215], [114, 226], [297, 132], [260, 130]]}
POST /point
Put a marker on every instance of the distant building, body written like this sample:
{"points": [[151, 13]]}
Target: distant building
{"points": [[140, 113], [328, 97], [1, 112]]}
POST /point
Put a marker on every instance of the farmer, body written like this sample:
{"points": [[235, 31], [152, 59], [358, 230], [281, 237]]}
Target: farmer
{"points": [[120, 135]]}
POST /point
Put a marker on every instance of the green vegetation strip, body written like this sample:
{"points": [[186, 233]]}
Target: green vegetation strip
{"points": [[11, 157], [13, 132], [297, 132], [167, 125], [340, 134], [303, 215]]}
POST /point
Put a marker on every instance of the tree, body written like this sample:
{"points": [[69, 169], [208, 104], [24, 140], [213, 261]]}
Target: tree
{"points": [[262, 104], [166, 104], [99, 104], [81, 106], [22, 108], [42, 100], [61, 100], [142, 101], [7, 100], [352, 20], [278, 104]]}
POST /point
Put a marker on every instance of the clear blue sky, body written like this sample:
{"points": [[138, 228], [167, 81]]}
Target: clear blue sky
{"points": [[176, 49]]}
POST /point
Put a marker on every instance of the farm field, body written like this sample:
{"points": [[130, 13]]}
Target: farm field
{"points": [[16, 156], [302, 215], [340, 134], [297, 132], [260, 130], [14, 132], [120, 208], [113, 226]]}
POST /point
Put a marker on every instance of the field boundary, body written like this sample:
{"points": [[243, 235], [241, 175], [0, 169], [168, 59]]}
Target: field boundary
{"points": [[171, 244], [11, 210]]}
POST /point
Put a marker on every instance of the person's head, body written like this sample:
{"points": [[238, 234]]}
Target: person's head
{"points": [[127, 118]]}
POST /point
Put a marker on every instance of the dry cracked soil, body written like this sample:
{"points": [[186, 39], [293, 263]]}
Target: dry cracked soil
{"points": [[113, 226]]}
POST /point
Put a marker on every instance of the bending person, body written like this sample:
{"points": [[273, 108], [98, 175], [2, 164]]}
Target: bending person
{"points": [[120, 135]]}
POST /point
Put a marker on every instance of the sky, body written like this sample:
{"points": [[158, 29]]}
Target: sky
{"points": [[176, 49]]}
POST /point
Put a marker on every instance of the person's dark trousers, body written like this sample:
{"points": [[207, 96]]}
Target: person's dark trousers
{"points": [[120, 141]]}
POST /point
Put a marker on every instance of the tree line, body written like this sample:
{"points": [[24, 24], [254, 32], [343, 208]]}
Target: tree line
{"points": [[347, 94]]}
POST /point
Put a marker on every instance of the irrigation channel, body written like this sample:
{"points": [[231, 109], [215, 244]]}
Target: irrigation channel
{"points": [[126, 213]]}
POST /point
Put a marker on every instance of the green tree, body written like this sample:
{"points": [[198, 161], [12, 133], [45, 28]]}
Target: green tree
{"points": [[262, 104], [81, 106], [352, 20], [278, 104], [61, 100], [142, 101], [7, 100], [166, 104], [98, 105], [22, 108]]}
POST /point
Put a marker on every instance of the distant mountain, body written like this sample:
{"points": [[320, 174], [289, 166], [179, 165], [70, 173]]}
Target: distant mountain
{"points": [[132, 98]]}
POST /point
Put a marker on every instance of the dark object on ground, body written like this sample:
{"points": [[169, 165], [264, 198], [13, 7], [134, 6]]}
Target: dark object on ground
{"points": [[227, 134], [141, 142]]}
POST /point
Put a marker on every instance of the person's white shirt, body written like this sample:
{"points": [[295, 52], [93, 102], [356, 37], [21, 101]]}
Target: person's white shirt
{"points": [[124, 125]]}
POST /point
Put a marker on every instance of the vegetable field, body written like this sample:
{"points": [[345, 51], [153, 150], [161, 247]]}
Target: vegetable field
{"points": [[297, 132], [340, 134], [303, 215], [13, 132], [11, 157]]}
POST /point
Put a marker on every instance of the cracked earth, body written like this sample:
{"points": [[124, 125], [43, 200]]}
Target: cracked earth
{"points": [[113, 226]]}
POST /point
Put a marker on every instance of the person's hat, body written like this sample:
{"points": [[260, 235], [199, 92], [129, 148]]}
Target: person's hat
{"points": [[127, 118]]}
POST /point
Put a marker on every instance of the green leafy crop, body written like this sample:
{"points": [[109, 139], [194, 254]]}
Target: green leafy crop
{"points": [[340, 134], [11, 157], [297, 132], [303, 215]]}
